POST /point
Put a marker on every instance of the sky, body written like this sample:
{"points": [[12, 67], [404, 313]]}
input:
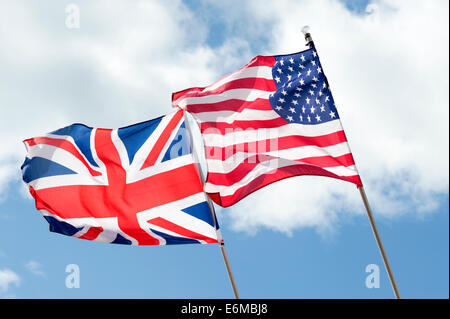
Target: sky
{"points": [[305, 237]]}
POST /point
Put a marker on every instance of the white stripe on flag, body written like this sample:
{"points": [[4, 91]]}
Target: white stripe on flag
{"points": [[237, 94], [231, 116], [211, 138]]}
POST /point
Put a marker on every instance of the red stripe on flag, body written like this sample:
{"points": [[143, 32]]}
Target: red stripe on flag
{"points": [[162, 140], [92, 233], [261, 60], [164, 223], [329, 161], [230, 105], [177, 95], [244, 83]]}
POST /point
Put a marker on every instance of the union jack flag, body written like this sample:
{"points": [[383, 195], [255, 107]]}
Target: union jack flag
{"points": [[136, 185]]}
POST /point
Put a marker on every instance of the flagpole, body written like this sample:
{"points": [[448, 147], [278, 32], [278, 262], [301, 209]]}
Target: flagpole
{"points": [[230, 273], [310, 43], [379, 242], [222, 249], [220, 240]]}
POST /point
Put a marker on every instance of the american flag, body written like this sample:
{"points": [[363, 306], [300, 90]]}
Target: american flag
{"points": [[136, 185], [272, 119]]}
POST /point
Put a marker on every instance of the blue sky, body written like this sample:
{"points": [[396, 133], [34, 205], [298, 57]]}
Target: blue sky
{"points": [[266, 265], [300, 238]]}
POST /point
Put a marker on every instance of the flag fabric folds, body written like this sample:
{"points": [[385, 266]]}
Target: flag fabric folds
{"points": [[272, 119], [135, 185]]}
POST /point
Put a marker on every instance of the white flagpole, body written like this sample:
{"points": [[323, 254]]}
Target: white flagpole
{"points": [[310, 43], [213, 215]]}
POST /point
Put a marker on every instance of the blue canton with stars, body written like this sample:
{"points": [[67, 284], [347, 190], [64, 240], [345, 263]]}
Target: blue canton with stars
{"points": [[302, 94]]}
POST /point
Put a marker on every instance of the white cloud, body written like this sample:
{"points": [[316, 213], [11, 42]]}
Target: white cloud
{"points": [[35, 268], [7, 278], [388, 70], [120, 67], [7, 173]]}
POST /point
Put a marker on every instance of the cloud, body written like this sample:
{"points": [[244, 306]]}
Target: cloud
{"points": [[388, 71], [7, 278], [8, 172], [120, 67], [35, 268], [387, 66]]}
